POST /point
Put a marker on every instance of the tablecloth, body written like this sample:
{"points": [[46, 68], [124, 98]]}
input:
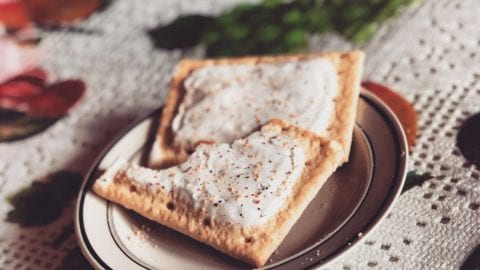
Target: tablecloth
{"points": [[429, 54]]}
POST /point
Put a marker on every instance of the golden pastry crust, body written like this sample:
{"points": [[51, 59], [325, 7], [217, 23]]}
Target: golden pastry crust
{"points": [[253, 244], [349, 67]]}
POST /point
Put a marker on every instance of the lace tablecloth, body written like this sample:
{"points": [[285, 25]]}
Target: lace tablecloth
{"points": [[430, 54]]}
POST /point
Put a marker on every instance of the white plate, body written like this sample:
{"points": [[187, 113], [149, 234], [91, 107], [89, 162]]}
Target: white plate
{"points": [[353, 201]]}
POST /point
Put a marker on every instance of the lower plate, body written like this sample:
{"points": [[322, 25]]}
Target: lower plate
{"points": [[352, 201]]}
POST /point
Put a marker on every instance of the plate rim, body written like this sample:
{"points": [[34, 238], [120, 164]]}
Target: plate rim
{"points": [[394, 192]]}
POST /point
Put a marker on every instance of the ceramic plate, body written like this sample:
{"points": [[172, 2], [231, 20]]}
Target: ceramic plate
{"points": [[351, 203]]}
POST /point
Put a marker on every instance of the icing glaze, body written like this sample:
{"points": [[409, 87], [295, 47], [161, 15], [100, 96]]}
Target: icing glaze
{"points": [[244, 183], [226, 102]]}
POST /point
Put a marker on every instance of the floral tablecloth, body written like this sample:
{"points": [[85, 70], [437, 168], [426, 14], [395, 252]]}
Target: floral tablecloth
{"points": [[429, 54]]}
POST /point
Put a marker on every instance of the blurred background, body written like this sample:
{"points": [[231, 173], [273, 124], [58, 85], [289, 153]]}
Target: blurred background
{"points": [[74, 73]]}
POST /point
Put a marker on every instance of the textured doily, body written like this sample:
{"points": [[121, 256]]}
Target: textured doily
{"points": [[430, 54]]}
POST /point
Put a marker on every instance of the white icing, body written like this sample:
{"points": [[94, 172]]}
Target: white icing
{"points": [[245, 183], [226, 102], [108, 176]]}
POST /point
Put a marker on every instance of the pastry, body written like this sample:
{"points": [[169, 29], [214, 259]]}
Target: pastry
{"points": [[220, 100], [241, 198]]}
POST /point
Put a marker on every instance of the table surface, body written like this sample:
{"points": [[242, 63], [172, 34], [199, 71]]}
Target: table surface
{"points": [[429, 54]]}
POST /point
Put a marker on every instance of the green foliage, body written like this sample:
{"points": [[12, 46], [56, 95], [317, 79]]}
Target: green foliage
{"points": [[43, 202], [276, 26], [415, 179], [292, 17], [16, 125], [104, 5], [318, 20], [184, 32]]}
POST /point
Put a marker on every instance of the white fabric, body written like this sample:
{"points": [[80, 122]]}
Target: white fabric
{"points": [[429, 54]]}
